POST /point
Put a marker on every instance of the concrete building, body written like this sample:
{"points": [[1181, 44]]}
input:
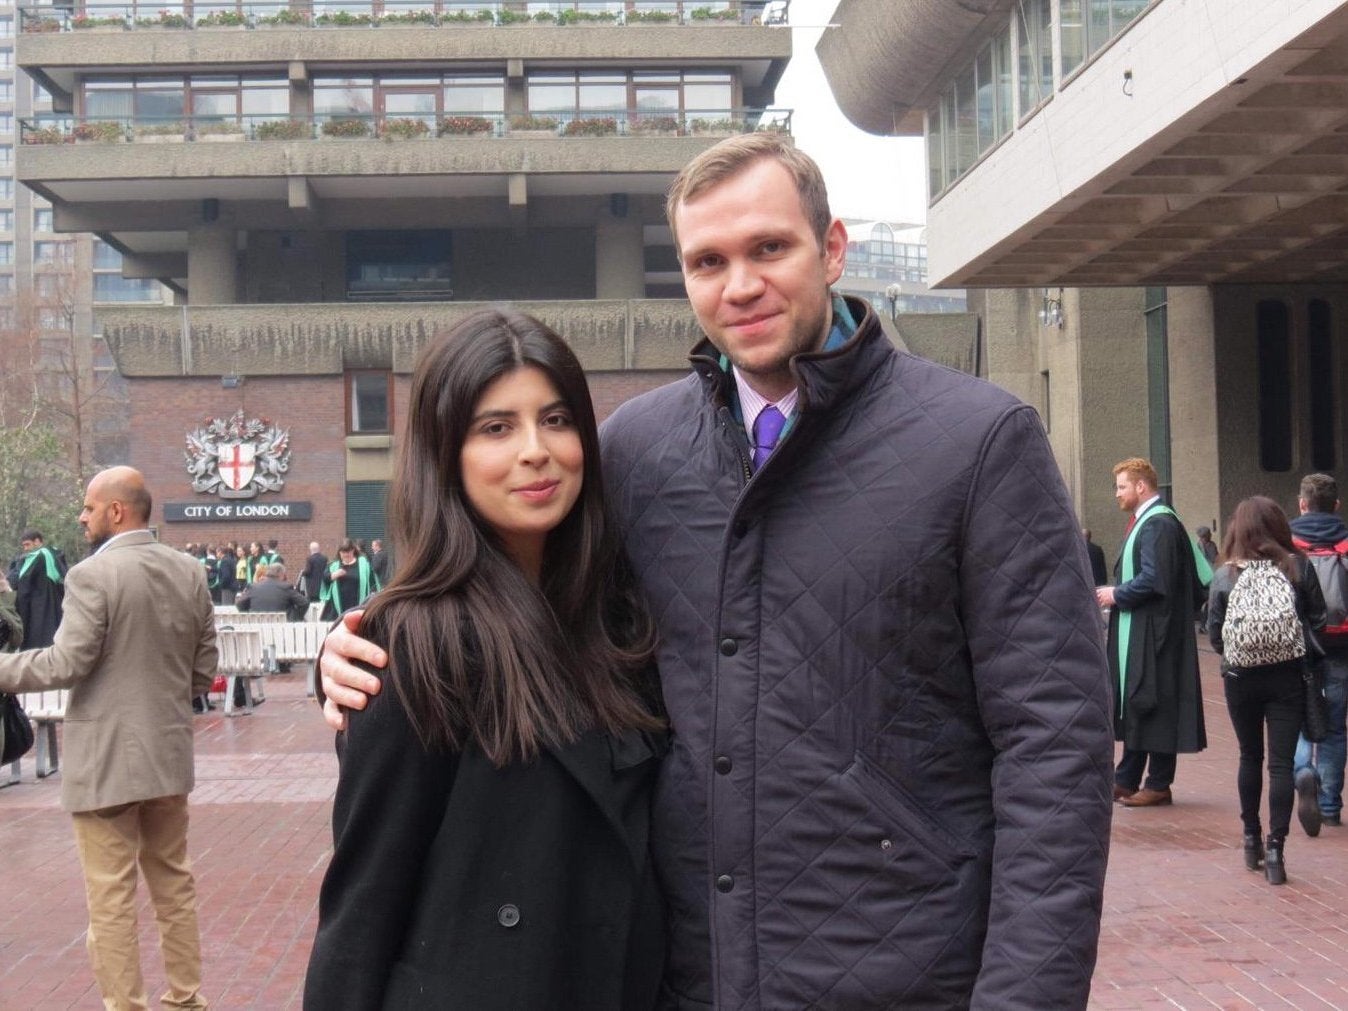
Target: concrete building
{"points": [[324, 197], [887, 266], [1148, 200]]}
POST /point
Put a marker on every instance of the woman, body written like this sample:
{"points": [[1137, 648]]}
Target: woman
{"points": [[1264, 695], [490, 823], [348, 581]]}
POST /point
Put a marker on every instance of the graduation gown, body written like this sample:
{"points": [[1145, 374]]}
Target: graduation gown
{"points": [[38, 579], [1158, 703]]}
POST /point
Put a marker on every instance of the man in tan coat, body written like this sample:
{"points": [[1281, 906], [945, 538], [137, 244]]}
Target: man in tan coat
{"points": [[136, 644]]}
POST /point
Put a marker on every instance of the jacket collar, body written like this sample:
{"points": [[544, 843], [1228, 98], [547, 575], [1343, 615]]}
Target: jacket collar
{"points": [[126, 539], [824, 378]]}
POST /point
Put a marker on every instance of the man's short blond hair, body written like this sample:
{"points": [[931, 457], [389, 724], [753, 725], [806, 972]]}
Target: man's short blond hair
{"points": [[1138, 469], [733, 155]]}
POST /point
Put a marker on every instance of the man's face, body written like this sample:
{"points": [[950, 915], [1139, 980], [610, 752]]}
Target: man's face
{"points": [[1130, 493], [99, 515], [755, 275], [29, 545]]}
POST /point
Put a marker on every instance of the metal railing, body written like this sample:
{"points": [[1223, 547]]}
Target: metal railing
{"points": [[62, 128], [130, 16]]}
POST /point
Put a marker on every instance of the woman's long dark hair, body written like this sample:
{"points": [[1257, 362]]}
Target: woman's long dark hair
{"points": [[480, 653], [1259, 529]]}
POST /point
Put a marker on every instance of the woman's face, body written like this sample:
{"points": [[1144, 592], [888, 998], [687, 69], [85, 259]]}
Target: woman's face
{"points": [[522, 463]]}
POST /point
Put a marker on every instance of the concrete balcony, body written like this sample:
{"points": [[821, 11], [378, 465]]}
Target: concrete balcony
{"points": [[329, 338]]}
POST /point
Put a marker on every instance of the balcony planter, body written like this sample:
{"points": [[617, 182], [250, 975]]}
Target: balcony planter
{"points": [[600, 126], [580, 17], [404, 129], [651, 18], [283, 19], [222, 19], [164, 20], [408, 18], [482, 17], [533, 126], [83, 23], [714, 128], [345, 19], [705, 14], [40, 25], [46, 135], [464, 126], [98, 133], [282, 129], [653, 126], [346, 128], [214, 133], [159, 138]]}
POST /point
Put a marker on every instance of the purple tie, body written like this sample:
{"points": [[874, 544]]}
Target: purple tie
{"points": [[767, 429]]}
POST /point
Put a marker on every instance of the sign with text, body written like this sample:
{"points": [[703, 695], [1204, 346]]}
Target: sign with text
{"points": [[224, 512]]}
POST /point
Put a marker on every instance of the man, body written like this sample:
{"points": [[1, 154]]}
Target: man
{"points": [[314, 568], [273, 593], [38, 576], [878, 649], [379, 561], [1320, 533], [1209, 549], [1153, 654], [1096, 554], [137, 643]]}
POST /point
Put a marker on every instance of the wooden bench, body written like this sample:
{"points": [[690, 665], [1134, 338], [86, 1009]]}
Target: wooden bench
{"points": [[45, 710], [296, 642]]}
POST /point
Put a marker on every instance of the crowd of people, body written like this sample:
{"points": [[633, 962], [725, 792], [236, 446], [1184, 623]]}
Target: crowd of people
{"points": [[787, 688]]}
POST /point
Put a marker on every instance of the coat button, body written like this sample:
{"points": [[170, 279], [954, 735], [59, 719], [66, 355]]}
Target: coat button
{"points": [[729, 647], [722, 764], [725, 883], [508, 915]]}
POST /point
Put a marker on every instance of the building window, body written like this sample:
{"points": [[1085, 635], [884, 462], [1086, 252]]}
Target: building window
{"points": [[6, 220], [6, 122], [1320, 375], [6, 284], [6, 59], [1086, 25], [6, 91], [42, 219], [7, 26], [52, 319], [51, 254], [6, 252], [1273, 334], [973, 114], [6, 156], [115, 288], [6, 187], [48, 285], [106, 257], [414, 265], [1034, 37], [1158, 387], [365, 509], [369, 397]]}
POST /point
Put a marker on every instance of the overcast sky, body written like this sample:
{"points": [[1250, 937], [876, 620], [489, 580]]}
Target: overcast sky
{"points": [[867, 176]]}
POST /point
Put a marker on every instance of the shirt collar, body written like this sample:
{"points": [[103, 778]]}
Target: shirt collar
{"points": [[116, 537], [1137, 513]]}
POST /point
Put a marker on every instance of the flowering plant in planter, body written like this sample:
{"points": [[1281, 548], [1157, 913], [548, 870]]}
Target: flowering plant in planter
{"points": [[164, 19], [160, 130], [282, 129], [34, 25], [651, 17], [219, 128], [81, 21], [45, 135], [577, 17], [346, 127], [533, 123], [602, 126], [408, 18], [284, 17], [483, 15], [222, 19], [102, 131], [707, 14], [404, 128], [464, 125], [344, 19], [655, 124]]}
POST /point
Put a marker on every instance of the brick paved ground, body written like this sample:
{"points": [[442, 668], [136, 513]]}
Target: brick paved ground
{"points": [[1186, 926]]}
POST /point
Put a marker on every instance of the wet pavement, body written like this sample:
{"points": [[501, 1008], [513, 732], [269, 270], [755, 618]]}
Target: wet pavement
{"points": [[1185, 925]]}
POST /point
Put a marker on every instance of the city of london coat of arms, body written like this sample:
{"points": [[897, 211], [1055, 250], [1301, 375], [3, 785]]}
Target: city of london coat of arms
{"points": [[237, 458]]}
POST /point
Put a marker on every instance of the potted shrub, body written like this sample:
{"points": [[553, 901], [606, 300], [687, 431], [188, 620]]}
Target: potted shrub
{"points": [[222, 19], [580, 17], [404, 128], [533, 125], [464, 126], [45, 135], [707, 14], [636, 17], [713, 127], [408, 18], [83, 22], [164, 19], [98, 132], [508, 17], [36, 25], [160, 133], [219, 130], [346, 126], [283, 18], [482, 16], [282, 129], [344, 19], [654, 124], [599, 126]]}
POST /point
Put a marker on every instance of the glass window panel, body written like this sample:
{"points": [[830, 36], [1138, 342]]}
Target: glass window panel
{"points": [[602, 97], [966, 124], [106, 257], [265, 101], [6, 220], [353, 97], [115, 288], [1001, 58], [369, 402], [552, 97], [6, 91], [160, 104], [935, 153], [708, 96], [657, 100], [6, 122], [656, 77], [1098, 32], [6, 154], [6, 284], [214, 105], [6, 187], [1320, 375], [1071, 35], [214, 80], [42, 220], [6, 27], [6, 59], [110, 104], [475, 95], [985, 90], [948, 132], [6, 252], [1126, 10]]}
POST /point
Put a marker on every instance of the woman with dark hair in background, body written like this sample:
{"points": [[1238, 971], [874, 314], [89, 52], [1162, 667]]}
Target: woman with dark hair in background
{"points": [[490, 824], [348, 581], [1258, 550]]}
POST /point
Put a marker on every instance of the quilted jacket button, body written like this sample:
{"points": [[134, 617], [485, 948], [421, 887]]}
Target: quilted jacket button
{"points": [[508, 915], [722, 764], [725, 883], [729, 647]]}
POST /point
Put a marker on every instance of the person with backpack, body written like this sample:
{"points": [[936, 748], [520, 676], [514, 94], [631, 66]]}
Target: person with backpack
{"points": [[1263, 599], [1323, 537]]}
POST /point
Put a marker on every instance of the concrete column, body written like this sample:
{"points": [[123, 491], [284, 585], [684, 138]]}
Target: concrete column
{"points": [[212, 266], [620, 270]]}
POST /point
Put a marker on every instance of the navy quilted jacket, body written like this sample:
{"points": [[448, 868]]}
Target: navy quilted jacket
{"points": [[890, 781]]}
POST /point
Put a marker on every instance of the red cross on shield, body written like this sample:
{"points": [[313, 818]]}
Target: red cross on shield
{"points": [[236, 464]]}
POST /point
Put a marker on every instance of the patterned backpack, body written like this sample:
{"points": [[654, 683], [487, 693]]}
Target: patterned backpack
{"points": [[1261, 625]]}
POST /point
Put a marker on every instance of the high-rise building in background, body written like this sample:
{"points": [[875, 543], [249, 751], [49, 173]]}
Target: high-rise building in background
{"points": [[887, 266], [325, 184]]}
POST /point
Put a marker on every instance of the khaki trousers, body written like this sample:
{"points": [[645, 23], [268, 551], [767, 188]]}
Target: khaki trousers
{"points": [[112, 842]]}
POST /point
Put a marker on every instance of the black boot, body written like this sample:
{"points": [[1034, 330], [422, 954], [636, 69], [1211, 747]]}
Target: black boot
{"points": [[1273, 865], [1254, 851]]}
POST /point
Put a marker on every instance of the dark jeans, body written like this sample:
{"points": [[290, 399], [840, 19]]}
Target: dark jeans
{"points": [[1266, 696], [1160, 766]]}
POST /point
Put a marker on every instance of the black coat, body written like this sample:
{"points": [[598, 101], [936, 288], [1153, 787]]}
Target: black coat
{"points": [[454, 884], [38, 597], [271, 595], [315, 568], [1160, 707], [1099, 571]]}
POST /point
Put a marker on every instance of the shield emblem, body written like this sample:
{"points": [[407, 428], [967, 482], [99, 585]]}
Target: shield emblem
{"points": [[237, 464]]}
